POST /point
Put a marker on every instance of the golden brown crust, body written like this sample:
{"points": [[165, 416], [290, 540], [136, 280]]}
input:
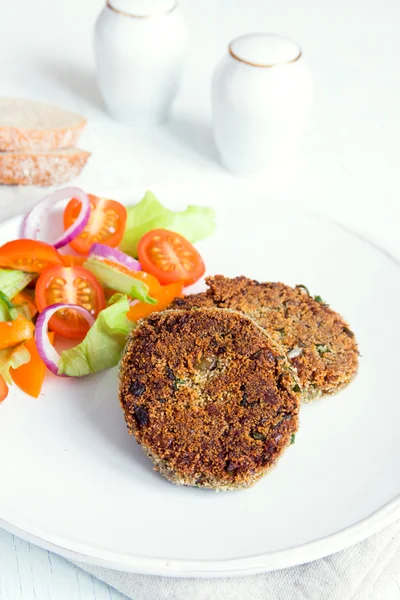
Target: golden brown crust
{"points": [[209, 397], [43, 168], [200, 300], [319, 343]]}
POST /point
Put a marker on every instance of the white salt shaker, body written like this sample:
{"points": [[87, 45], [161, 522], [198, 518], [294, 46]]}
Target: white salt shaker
{"points": [[139, 46], [261, 95]]}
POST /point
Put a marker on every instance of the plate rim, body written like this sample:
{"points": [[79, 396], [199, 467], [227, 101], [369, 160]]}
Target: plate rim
{"points": [[200, 568], [249, 565]]}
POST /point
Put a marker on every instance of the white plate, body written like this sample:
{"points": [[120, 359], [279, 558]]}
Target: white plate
{"points": [[72, 480]]}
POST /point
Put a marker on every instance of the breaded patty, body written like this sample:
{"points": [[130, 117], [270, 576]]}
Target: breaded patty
{"points": [[209, 397], [316, 339]]}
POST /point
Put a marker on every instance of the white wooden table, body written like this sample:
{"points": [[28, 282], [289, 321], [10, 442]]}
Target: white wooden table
{"points": [[350, 163], [28, 572]]}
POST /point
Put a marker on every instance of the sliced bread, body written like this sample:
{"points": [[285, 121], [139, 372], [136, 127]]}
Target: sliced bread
{"points": [[28, 125], [41, 168]]}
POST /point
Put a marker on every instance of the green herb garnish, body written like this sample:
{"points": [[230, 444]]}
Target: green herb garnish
{"points": [[293, 438], [177, 383], [303, 287], [322, 349], [296, 388], [348, 331], [257, 435]]}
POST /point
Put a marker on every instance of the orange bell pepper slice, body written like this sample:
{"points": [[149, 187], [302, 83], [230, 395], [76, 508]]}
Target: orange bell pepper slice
{"points": [[3, 389], [29, 377], [26, 298], [165, 296], [70, 260], [14, 332]]}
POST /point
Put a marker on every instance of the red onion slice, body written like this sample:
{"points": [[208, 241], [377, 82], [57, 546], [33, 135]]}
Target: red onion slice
{"points": [[113, 254], [47, 352], [32, 222]]}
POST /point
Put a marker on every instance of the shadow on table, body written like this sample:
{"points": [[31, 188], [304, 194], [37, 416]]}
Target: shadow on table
{"points": [[77, 80], [195, 134]]}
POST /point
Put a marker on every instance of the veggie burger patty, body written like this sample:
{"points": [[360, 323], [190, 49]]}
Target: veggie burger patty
{"points": [[209, 396], [316, 339]]}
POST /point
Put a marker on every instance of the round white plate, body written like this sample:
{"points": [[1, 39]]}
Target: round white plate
{"points": [[74, 481]]}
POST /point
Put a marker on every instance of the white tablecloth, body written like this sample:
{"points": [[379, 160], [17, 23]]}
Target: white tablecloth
{"points": [[361, 572]]}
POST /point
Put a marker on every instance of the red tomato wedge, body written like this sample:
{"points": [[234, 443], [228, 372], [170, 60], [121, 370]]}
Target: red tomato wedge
{"points": [[3, 389], [106, 223], [30, 256], [170, 257], [69, 285], [29, 377], [165, 296]]}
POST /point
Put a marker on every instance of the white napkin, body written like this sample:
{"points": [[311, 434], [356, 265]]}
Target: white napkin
{"points": [[361, 572]]}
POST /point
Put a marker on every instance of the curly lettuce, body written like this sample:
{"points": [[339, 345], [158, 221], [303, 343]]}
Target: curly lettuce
{"points": [[12, 282], [103, 344], [195, 223], [12, 358]]}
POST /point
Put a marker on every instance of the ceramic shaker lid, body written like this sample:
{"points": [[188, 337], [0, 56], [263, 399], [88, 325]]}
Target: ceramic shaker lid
{"points": [[264, 49], [142, 8]]}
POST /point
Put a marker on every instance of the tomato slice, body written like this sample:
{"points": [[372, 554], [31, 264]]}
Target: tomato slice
{"points": [[69, 285], [165, 296], [31, 256], [170, 257], [106, 223]]}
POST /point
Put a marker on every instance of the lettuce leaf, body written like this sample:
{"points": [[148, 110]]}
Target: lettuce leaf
{"points": [[116, 280], [12, 358], [4, 309], [195, 223], [103, 344], [12, 282], [10, 311]]}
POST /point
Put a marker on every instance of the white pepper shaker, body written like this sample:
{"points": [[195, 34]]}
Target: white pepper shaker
{"points": [[261, 95], [139, 46]]}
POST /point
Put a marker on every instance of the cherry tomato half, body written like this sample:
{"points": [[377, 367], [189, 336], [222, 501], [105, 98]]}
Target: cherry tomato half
{"points": [[106, 223], [31, 256], [170, 257], [69, 285]]}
